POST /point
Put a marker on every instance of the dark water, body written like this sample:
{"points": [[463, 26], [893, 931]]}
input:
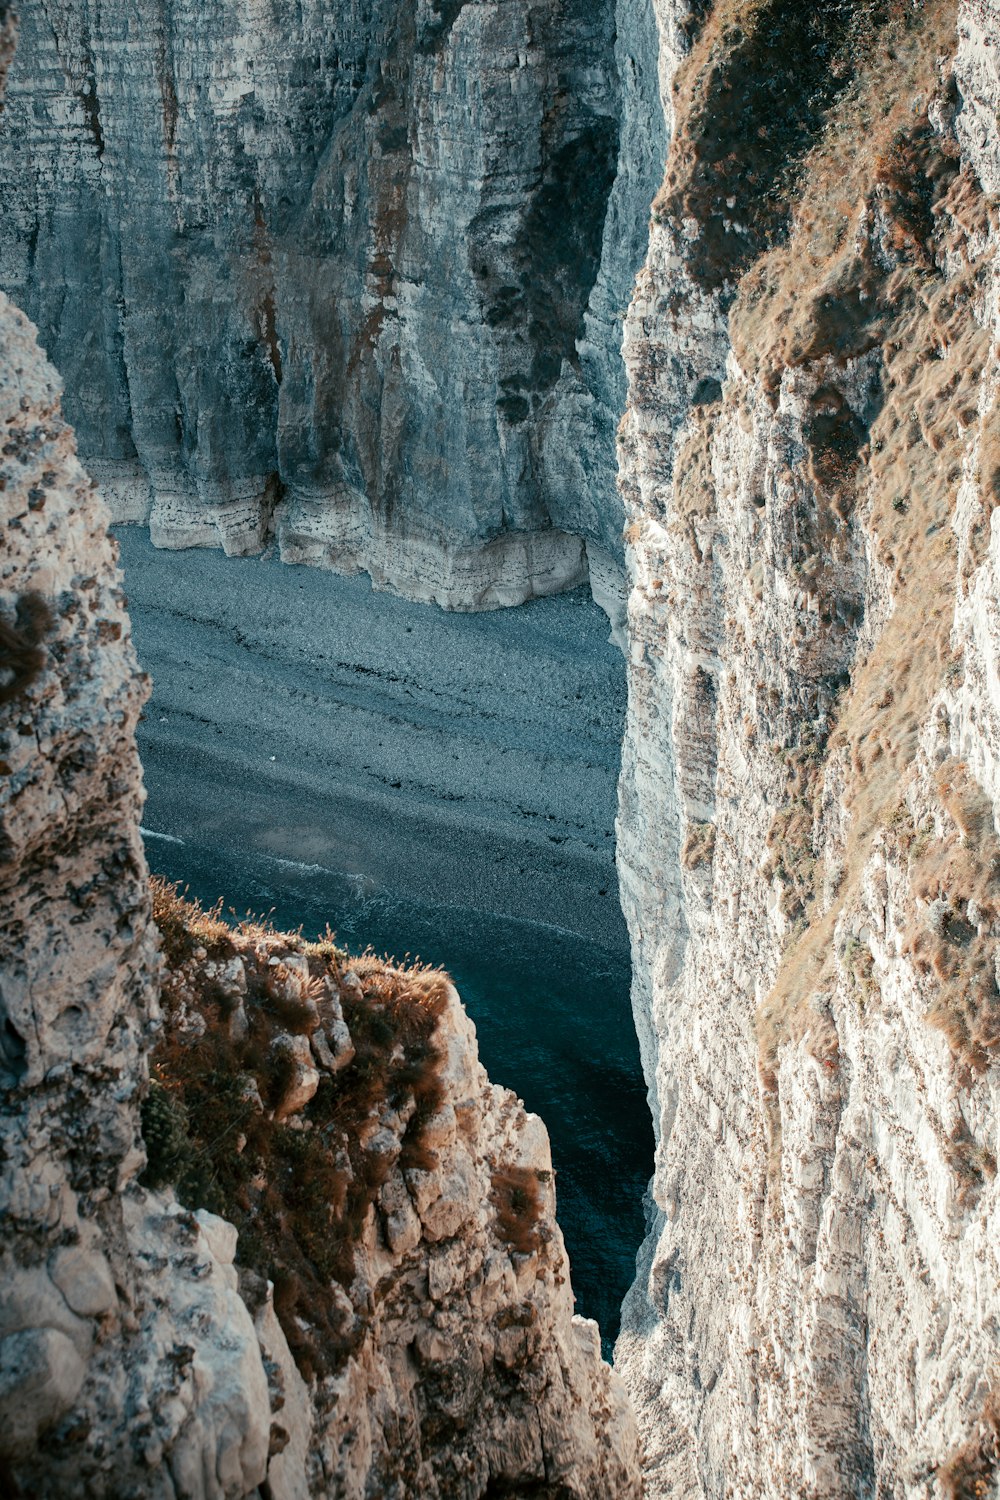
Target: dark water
{"points": [[554, 1022]]}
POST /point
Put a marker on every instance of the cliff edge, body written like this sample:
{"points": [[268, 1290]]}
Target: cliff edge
{"points": [[808, 826]]}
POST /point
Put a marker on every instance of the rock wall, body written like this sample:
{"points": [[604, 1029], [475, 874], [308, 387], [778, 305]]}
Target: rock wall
{"points": [[353, 278], [131, 1363], [807, 831]]}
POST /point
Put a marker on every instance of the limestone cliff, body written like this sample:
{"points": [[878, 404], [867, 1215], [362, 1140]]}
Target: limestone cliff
{"points": [[396, 1218], [808, 845], [417, 1335], [352, 276]]}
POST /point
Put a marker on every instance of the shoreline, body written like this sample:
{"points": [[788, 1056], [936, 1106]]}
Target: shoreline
{"points": [[493, 857], [466, 760]]}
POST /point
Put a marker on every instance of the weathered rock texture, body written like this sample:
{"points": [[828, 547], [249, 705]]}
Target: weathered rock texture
{"points": [[404, 1208], [352, 276], [130, 1362], [104, 1287], [808, 841]]}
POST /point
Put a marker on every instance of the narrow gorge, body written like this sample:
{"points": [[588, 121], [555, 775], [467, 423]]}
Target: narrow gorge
{"points": [[694, 302], [372, 1297]]}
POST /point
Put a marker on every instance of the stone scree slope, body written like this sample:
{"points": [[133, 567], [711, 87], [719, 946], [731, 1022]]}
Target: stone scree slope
{"points": [[351, 276], [807, 833]]}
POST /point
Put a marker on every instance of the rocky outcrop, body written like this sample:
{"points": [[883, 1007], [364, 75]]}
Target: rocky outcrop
{"points": [[105, 1286], [396, 1217], [807, 832], [141, 1350], [354, 280]]}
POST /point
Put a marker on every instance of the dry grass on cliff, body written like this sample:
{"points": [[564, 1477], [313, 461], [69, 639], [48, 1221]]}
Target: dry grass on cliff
{"points": [[917, 442], [826, 294], [300, 1190], [820, 292], [790, 857], [971, 1472], [972, 1164], [754, 95], [185, 925], [699, 846], [956, 878], [517, 1208]]}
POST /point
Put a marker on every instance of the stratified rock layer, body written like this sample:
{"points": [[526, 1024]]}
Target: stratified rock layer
{"points": [[807, 829], [353, 278]]}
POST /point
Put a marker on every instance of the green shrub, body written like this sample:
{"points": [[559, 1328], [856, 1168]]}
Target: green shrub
{"points": [[165, 1132]]}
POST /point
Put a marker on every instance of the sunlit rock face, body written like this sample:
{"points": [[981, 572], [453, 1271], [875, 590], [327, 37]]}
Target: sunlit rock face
{"points": [[352, 276], [807, 835]]}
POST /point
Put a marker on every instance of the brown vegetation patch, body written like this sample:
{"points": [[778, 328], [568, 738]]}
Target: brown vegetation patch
{"points": [[921, 312], [971, 1472], [972, 1164], [185, 925], [694, 486], [751, 99], [791, 860], [989, 463], [957, 879], [699, 846], [517, 1205], [835, 436], [914, 437], [826, 290], [912, 171], [299, 1191]]}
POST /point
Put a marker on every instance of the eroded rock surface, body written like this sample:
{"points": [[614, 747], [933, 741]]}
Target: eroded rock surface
{"points": [[115, 1311], [398, 1243], [353, 278], [807, 830]]}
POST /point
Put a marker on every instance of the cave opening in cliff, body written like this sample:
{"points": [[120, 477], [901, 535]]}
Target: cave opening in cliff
{"points": [[426, 783]]}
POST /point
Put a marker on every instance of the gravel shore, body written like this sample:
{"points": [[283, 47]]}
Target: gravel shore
{"points": [[458, 760]]}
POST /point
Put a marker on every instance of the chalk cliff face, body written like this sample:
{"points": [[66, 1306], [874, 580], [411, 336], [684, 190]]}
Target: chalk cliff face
{"points": [[394, 348], [352, 276], [141, 1352], [808, 846]]}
